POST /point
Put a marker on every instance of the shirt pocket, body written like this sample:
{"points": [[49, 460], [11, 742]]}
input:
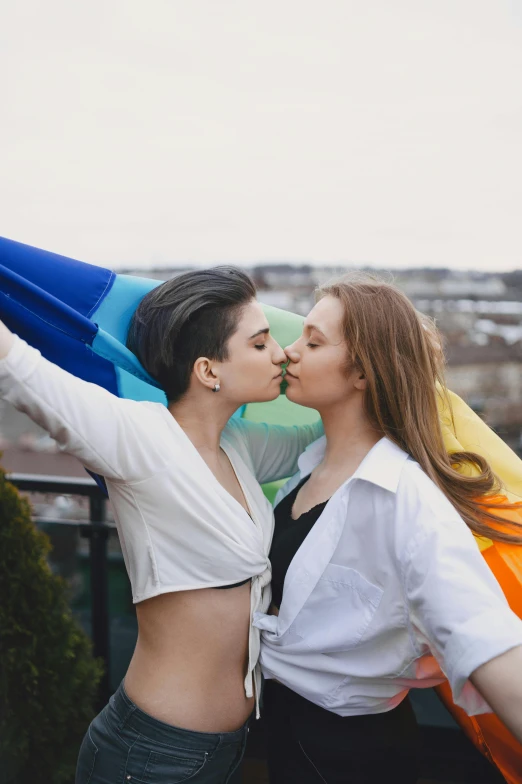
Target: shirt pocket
{"points": [[338, 611]]}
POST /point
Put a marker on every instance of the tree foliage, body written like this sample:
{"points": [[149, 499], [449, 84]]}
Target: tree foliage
{"points": [[48, 676]]}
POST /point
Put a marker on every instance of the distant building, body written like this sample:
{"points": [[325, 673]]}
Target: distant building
{"points": [[489, 379], [454, 285]]}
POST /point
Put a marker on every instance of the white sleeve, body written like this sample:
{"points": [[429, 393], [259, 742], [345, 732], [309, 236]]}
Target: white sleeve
{"points": [[457, 606], [87, 421], [273, 449]]}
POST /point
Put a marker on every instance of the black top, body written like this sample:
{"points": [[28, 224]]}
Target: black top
{"points": [[289, 535], [234, 585]]}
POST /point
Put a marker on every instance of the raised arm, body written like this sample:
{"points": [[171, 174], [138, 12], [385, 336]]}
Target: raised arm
{"points": [[6, 340], [102, 431], [273, 449]]}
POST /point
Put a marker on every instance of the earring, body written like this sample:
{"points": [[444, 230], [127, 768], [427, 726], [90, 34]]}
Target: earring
{"points": [[216, 388]]}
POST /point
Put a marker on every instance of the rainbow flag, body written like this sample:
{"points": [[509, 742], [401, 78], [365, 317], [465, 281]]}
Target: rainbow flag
{"points": [[78, 314]]}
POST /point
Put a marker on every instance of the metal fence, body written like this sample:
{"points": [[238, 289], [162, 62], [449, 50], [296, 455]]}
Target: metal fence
{"points": [[96, 530]]}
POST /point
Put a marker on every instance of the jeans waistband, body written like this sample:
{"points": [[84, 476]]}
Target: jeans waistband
{"points": [[129, 715]]}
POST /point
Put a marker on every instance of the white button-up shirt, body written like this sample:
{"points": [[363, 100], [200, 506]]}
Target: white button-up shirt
{"points": [[179, 529], [388, 591]]}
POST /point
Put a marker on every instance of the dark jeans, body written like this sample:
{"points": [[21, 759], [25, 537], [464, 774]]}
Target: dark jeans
{"points": [[307, 744], [124, 745]]}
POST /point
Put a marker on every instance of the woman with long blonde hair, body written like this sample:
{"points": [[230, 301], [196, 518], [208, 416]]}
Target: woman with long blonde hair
{"points": [[378, 585]]}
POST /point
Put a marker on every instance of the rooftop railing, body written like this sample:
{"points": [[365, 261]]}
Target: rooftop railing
{"points": [[96, 529]]}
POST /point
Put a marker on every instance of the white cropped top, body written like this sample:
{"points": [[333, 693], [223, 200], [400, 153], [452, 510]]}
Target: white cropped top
{"points": [[179, 528]]}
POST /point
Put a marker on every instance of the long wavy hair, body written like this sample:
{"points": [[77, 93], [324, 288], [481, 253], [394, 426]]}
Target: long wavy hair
{"points": [[400, 353]]}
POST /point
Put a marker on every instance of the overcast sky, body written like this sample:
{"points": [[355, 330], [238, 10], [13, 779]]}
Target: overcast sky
{"points": [[152, 132]]}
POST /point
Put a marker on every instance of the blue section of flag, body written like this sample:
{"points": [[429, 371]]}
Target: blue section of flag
{"points": [[77, 315], [47, 300], [114, 311], [22, 298], [79, 285], [119, 355], [113, 316]]}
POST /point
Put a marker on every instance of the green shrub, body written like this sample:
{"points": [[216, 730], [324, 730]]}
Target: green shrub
{"points": [[48, 676]]}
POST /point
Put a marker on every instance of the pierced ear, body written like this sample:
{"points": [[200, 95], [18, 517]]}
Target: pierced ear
{"points": [[204, 371], [360, 382]]}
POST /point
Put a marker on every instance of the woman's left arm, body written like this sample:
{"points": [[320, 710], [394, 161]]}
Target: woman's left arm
{"points": [[499, 681], [6, 340], [273, 449]]}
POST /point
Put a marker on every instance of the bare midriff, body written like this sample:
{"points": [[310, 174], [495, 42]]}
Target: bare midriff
{"points": [[191, 659]]}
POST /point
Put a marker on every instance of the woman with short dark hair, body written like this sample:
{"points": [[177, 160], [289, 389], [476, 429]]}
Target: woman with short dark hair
{"points": [[183, 481]]}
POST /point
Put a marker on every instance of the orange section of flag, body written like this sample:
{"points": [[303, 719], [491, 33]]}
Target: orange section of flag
{"points": [[464, 430]]}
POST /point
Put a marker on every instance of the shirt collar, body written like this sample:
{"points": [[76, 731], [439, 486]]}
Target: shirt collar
{"points": [[382, 465]]}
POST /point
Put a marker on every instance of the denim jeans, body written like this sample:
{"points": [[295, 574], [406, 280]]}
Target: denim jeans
{"points": [[124, 745]]}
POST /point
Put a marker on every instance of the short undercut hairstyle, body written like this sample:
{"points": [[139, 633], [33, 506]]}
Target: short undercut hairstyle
{"points": [[193, 315]]}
